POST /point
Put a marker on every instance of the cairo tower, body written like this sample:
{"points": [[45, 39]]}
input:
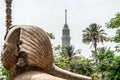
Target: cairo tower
{"points": [[66, 33]]}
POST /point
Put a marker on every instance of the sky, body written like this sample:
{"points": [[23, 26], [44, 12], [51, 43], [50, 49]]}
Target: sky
{"points": [[49, 15]]}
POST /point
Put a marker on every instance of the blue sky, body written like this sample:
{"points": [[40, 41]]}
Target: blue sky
{"points": [[49, 15]]}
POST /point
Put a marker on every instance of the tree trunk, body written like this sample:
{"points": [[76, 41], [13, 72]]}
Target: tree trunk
{"points": [[8, 14], [95, 46]]}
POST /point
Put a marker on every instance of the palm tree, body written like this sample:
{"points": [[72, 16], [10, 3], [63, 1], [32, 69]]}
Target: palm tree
{"points": [[69, 51], [101, 54], [94, 34], [8, 14]]}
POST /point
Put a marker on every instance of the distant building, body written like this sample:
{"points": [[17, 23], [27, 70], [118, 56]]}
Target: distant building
{"points": [[66, 33]]}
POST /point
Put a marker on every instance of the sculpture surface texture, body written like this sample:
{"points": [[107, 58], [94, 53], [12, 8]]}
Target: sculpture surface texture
{"points": [[27, 54]]}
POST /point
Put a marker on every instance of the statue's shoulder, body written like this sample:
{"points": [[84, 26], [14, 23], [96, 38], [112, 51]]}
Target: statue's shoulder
{"points": [[45, 76], [35, 75], [26, 75]]}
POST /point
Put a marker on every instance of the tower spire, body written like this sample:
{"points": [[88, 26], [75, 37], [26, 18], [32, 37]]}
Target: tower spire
{"points": [[65, 16], [66, 33]]}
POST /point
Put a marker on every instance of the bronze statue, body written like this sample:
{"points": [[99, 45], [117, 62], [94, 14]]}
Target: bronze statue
{"points": [[28, 55]]}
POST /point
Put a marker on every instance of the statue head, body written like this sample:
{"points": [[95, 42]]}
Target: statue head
{"points": [[27, 46]]}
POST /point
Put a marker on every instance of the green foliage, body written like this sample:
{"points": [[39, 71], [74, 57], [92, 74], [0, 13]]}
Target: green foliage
{"points": [[95, 76], [51, 35], [116, 38], [81, 66], [4, 74], [69, 51], [61, 62], [113, 72], [59, 57], [107, 65], [104, 54], [78, 66], [114, 22], [94, 34]]}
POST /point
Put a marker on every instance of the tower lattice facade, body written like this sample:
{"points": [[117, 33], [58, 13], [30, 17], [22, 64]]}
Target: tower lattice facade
{"points": [[66, 33]]}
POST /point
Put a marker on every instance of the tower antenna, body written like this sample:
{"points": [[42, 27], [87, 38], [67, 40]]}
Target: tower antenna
{"points": [[65, 16]]}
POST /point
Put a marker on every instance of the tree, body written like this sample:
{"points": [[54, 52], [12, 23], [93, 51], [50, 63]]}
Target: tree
{"points": [[81, 66], [4, 73], [60, 59], [113, 72], [51, 36], [65, 51], [8, 14], [94, 34], [76, 65], [69, 51], [104, 57], [115, 23]]}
